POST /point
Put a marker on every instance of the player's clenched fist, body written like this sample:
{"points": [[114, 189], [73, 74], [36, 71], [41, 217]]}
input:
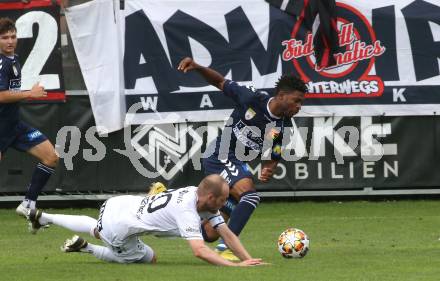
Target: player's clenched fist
{"points": [[37, 91], [266, 174], [187, 64]]}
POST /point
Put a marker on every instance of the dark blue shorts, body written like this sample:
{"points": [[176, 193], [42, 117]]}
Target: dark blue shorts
{"points": [[232, 169], [23, 137]]}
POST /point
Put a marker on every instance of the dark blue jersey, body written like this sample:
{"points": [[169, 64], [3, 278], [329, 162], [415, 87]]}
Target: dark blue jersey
{"points": [[10, 80], [251, 122], [13, 132]]}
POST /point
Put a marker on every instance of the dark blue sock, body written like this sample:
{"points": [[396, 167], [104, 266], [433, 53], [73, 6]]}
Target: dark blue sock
{"points": [[243, 211], [39, 179]]}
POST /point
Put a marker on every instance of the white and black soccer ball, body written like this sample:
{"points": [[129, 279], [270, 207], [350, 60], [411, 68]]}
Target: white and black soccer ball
{"points": [[293, 243]]}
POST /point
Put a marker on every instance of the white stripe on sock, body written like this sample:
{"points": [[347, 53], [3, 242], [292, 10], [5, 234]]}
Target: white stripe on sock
{"points": [[45, 168]]}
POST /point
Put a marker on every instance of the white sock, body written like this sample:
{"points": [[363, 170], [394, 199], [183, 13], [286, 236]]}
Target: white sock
{"points": [[82, 224], [102, 253], [29, 204]]}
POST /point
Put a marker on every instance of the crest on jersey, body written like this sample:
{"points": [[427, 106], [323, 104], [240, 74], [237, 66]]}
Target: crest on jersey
{"points": [[250, 113]]}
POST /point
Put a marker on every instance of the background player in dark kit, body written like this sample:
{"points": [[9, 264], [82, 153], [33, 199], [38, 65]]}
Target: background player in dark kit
{"points": [[13, 132]]}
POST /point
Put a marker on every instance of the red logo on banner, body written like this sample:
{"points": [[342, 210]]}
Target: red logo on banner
{"points": [[349, 77]]}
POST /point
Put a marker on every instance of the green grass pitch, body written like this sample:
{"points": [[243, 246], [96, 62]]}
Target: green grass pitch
{"points": [[352, 241]]}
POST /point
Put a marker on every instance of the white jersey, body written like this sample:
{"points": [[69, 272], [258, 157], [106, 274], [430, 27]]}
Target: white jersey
{"points": [[172, 213]]}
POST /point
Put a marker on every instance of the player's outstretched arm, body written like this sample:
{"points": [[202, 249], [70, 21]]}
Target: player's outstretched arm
{"points": [[211, 76], [233, 242], [37, 91], [201, 251]]}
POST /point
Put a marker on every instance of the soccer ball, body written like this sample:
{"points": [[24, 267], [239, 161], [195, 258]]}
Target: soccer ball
{"points": [[293, 243]]}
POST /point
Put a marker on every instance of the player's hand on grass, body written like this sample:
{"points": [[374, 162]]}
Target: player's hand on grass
{"points": [[37, 91], [251, 262], [266, 174], [187, 64]]}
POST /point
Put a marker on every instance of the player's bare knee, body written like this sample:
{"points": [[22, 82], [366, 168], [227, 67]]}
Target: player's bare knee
{"points": [[50, 160], [242, 186], [237, 193]]}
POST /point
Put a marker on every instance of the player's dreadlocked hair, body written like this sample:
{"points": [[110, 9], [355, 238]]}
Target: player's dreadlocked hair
{"points": [[290, 83], [6, 24]]}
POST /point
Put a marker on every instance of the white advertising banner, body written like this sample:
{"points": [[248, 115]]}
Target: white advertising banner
{"points": [[387, 62]]}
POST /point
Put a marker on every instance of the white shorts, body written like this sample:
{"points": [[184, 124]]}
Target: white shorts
{"points": [[130, 249]]}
